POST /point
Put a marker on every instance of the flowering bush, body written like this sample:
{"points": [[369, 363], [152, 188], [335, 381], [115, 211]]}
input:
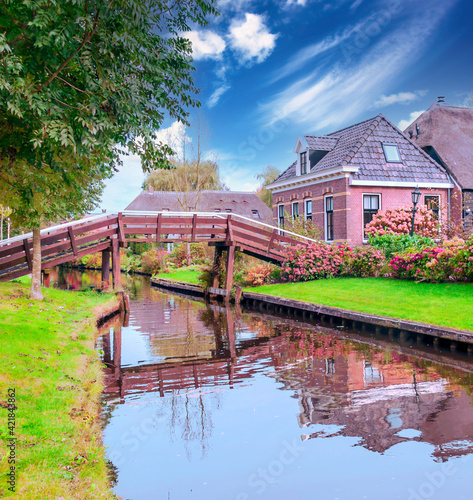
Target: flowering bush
{"points": [[399, 221], [453, 261], [315, 261], [154, 261], [258, 274], [364, 262]]}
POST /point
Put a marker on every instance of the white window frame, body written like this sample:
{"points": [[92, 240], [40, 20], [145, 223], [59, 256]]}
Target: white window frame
{"points": [[294, 203], [365, 240], [281, 205], [306, 201], [326, 219], [392, 144]]}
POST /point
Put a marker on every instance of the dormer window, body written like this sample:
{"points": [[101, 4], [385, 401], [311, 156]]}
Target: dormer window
{"points": [[391, 153], [303, 162]]}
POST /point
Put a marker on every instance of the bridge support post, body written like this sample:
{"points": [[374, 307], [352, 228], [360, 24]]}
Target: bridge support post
{"points": [[216, 266], [117, 278], [105, 269], [230, 266]]}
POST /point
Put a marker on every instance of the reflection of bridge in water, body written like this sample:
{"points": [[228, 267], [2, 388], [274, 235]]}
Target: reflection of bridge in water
{"points": [[381, 393]]}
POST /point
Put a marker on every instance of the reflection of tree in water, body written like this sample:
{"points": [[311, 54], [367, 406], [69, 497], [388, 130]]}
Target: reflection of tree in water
{"points": [[189, 417]]}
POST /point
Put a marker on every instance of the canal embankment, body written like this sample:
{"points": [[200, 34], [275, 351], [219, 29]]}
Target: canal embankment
{"points": [[401, 310], [50, 366]]}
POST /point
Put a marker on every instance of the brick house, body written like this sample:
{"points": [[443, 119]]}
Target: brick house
{"points": [[340, 180], [446, 134]]}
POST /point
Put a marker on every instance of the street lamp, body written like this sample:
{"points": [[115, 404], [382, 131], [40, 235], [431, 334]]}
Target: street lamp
{"points": [[415, 199]]}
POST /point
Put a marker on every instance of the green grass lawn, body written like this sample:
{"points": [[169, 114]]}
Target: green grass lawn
{"points": [[443, 304], [187, 275], [48, 357]]}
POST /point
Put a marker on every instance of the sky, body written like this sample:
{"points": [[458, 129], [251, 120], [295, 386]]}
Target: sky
{"points": [[270, 70]]}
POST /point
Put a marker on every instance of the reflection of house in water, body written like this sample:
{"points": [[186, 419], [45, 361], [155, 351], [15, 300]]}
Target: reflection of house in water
{"points": [[375, 401]]}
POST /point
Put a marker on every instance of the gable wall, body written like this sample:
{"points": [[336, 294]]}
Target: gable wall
{"points": [[348, 205]]}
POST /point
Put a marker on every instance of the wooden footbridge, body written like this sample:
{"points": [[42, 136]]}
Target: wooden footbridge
{"points": [[107, 233]]}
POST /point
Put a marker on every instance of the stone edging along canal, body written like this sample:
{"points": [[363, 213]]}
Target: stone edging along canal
{"points": [[396, 329]]}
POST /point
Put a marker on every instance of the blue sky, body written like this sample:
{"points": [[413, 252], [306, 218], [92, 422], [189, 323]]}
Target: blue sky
{"points": [[270, 70]]}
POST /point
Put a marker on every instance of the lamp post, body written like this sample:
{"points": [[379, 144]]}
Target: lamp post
{"points": [[415, 199]]}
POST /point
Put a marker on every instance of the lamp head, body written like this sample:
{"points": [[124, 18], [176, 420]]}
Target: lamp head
{"points": [[416, 196]]}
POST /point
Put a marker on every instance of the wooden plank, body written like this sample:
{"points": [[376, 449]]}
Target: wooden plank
{"points": [[229, 229], [218, 291], [12, 248], [194, 226], [158, 228], [69, 257], [29, 259], [117, 278], [274, 233], [20, 256], [230, 266], [252, 229], [70, 230], [121, 234], [210, 230], [135, 220]]}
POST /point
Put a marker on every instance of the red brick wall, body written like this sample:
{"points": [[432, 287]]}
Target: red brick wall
{"points": [[348, 204], [317, 192]]}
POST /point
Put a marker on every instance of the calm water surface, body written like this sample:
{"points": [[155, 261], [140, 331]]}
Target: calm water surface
{"points": [[208, 402]]}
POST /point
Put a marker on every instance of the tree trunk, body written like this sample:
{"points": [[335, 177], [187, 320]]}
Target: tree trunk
{"points": [[1, 228], [35, 293]]}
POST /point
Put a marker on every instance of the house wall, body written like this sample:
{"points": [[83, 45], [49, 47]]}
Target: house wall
{"points": [[348, 205], [317, 192]]}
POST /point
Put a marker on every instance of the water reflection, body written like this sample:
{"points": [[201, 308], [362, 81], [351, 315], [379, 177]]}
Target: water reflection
{"points": [[215, 395]]}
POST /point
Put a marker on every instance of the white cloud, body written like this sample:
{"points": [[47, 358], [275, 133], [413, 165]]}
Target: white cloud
{"points": [[302, 57], [175, 137], [403, 124], [206, 44], [399, 98], [251, 39], [302, 3], [343, 93], [217, 93]]}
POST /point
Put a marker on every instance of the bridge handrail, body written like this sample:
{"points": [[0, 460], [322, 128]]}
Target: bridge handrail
{"points": [[218, 215], [93, 218], [56, 228]]}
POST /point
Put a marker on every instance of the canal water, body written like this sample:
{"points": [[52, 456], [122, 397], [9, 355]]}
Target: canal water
{"points": [[214, 403]]}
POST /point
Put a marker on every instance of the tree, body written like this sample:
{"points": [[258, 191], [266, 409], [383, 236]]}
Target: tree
{"points": [[5, 213], [188, 177], [267, 176], [81, 83]]}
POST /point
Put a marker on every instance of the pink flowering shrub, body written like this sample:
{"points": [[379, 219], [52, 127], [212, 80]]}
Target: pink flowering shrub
{"points": [[315, 261], [364, 262], [321, 260], [399, 221], [453, 261]]}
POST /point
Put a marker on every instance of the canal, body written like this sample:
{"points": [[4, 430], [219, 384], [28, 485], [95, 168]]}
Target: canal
{"points": [[212, 402]]}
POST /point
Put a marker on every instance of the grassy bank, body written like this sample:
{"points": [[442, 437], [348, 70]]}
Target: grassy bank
{"points": [[443, 304], [48, 358], [184, 274]]}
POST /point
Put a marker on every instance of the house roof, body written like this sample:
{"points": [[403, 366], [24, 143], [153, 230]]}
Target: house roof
{"points": [[360, 145], [449, 130], [237, 202], [321, 142]]}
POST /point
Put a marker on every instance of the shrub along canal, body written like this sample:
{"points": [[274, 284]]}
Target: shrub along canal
{"points": [[211, 402]]}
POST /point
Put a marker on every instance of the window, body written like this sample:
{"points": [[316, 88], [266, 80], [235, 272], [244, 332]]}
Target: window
{"points": [[391, 153], [303, 163], [217, 210], [308, 209], [371, 205], [295, 210], [255, 214], [432, 202], [228, 210], [329, 218], [281, 215]]}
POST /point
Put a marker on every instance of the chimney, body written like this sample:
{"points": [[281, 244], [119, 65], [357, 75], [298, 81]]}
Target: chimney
{"points": [[440, 99], [150, 189]]}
